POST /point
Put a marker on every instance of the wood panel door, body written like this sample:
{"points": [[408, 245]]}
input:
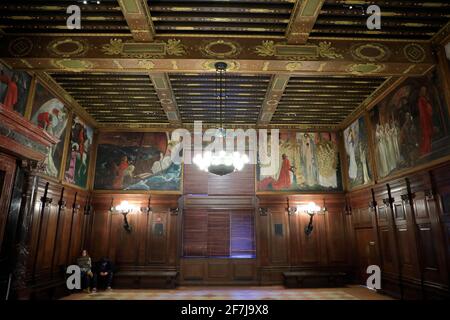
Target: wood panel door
{"points": [[366, 252], [7, 171]]}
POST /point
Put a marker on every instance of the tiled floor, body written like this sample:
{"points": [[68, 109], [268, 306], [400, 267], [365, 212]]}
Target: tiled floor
{"points": [[234, 293]]}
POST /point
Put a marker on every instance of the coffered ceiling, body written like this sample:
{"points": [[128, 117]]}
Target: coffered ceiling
{"points": [[38, 16], [323, 100], [137, 63], [410, 20], [114, 97], [197, 99]]}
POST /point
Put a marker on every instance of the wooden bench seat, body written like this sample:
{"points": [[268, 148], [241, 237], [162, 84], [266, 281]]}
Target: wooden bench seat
{"points": [[146, 279], [314, 278]]}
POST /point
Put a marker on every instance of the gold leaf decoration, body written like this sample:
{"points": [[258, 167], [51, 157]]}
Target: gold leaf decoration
{"points": [[267, 49], [114, 47], [175, 48], [146, 64], [327, 51]]}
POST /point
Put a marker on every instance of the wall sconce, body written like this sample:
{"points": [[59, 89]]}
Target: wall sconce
{"points": [[148, 208], [263, 211], [174, 211], [311, 209], [125, 208], [62, 204], [291, 210]]}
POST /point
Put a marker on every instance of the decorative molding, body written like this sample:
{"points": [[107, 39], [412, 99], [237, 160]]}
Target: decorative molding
{"points": [[323, 49], [274, 94], [166, 97], [302, 20], [129, 49], [414, 52], [220, 49], [137, 15], [68, 47], [370, 52]]}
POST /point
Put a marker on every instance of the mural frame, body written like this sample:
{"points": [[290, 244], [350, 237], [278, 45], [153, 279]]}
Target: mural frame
{"points": [[442, 67], [370, 156], [339, 145], [93, 162]]}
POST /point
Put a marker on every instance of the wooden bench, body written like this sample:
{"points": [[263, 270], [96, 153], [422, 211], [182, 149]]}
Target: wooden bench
{"points": [[146, 279], [314, 278]]}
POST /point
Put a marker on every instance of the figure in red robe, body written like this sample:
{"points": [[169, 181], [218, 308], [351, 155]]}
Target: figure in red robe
{"points": [[45, 118], [284, 178], [11, 96], [426, 122], [120, 173]]}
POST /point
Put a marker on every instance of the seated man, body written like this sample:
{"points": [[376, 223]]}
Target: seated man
{"points": [[85, 264], [103, 272]]}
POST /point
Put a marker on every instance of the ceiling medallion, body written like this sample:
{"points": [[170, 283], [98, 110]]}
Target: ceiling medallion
{"points": [[220, 49], [209, 65], [414, 52], [365, 68], [371, 52], [67, 47], [20, 47], [73, 65]]}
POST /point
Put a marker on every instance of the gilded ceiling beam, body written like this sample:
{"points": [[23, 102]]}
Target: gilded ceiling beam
{"points": [[274, 93], [137, 15], [244, 55], [163, 89], [302, 21]]}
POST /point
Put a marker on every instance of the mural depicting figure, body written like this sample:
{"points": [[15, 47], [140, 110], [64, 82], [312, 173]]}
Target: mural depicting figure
{"points": [[50, 114], [411, 125], [356, 147], [14, 88], [136, 161], [79, 153], [308, 161]]}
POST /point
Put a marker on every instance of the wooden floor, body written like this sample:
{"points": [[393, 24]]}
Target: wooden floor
{"points": [[234, 293]]}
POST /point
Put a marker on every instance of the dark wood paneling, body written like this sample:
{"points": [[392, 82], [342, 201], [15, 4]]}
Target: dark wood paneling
{"points": [[154, 236], [7, 171], [326, 247], [411, 228], [210, 271]]}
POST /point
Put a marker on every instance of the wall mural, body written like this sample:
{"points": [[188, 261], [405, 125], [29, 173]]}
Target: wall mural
{"points": [[136, 161], [14, 88], [50, 114], [308, 162], [411, 125], [79, 153], [357, 150]]}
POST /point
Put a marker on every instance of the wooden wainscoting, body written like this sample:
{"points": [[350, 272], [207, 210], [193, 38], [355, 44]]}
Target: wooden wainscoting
{"points": [[60, 224], [282, 244], [402, 225], [219, 271]]}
